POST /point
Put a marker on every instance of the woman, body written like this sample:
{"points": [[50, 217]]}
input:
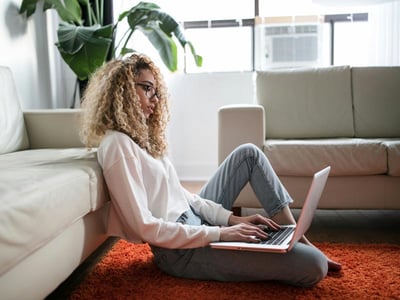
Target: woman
{"points": [[126, 113]]}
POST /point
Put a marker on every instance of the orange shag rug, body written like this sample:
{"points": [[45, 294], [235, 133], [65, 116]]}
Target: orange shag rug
{"points": [[127, 272]]}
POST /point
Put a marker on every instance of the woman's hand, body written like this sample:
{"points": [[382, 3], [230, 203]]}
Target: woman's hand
{"points": [[255, 220], [247, 229], [243, 233]]}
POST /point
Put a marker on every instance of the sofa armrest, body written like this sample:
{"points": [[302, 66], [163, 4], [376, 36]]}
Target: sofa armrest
{"points": [[53, 128], [239, 124]]}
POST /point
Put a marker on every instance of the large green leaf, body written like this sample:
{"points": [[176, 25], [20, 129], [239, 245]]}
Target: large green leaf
{"points": [[146, 13], [28, 6], [142, 8], [197, 58], [163, 43], [84, 49], [166, 23], [160, 28], [69, 10], [184, 42]]}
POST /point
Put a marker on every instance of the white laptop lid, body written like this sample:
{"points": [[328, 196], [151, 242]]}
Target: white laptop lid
{"points": [[304, 221]]}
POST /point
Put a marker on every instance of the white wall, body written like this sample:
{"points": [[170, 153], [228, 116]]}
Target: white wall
{"points": [[27, 48], [23, 48], [193, 131]]}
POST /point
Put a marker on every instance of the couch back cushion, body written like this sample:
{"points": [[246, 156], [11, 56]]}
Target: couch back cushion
{"points": [[306, 103], [13, 135], [376, 95]]}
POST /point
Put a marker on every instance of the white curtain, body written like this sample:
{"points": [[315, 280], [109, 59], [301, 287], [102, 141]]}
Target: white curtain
{"points": [[384, 20]]}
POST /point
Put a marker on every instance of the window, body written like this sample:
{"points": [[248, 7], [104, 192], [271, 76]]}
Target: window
{"points": [[224, 49], [246, 35], [221, 36]]}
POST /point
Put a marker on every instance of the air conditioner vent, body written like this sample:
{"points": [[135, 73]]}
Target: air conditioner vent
{"points": [[287, 45], [283, 30]]}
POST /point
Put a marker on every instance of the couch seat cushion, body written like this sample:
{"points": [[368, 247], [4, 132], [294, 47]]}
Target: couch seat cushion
{"points": [[41, 193], [393, 152], [346, 156]]}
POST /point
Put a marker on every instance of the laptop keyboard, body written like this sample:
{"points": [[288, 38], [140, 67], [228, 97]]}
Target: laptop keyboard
{"points": [[276, 237]]}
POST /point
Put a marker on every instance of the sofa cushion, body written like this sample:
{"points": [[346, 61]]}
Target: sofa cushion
{"points": [[43, 192], [345, 156], [376, 94], [13, 134], [306, 103], [393, 153]]}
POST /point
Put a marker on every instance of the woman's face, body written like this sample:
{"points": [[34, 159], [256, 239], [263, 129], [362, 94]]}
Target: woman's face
{"points": [[146, 89]]}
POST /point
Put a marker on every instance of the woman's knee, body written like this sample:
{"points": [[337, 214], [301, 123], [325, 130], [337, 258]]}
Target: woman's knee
{"points": [[317, 268], [248, 150], [318, 273]]}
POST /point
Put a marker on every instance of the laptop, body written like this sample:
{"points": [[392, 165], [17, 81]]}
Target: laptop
{"points": [[283, 240]]}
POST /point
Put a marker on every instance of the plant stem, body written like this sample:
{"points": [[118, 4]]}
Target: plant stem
{"points": [[128, 38], [92, 17], [123, 36], [98, 17], [102, 12], [89, 15]]}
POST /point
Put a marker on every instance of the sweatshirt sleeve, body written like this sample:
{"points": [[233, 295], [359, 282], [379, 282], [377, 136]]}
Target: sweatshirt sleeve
{"points": [[122, 173], [212, 212]]}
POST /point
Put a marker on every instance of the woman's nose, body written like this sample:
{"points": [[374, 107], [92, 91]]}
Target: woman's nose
{"points": [[155, 99]]}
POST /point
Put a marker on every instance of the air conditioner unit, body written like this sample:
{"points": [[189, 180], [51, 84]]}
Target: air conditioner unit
{"points": [[287, 45]]}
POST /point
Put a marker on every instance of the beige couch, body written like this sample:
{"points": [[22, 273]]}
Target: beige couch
{"points": [[306, 119], [53, 203]]}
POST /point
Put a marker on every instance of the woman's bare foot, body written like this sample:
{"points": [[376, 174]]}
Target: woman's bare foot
{"points": [[333, 266]]}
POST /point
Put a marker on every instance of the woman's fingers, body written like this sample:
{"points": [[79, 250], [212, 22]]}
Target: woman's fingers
{"points": [[243, 233], [253, 231], [263, 221]]}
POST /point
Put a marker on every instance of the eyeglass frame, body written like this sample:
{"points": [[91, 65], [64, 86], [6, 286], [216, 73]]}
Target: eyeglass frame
{"points": [[146, 88]]}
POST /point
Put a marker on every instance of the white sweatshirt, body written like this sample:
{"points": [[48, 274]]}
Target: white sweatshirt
{"points": [[147, 198]]}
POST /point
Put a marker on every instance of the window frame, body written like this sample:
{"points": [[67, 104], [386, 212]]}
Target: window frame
{"points": [[332, 19]]}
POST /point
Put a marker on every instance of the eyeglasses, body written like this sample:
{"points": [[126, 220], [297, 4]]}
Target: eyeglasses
{"points": [[149, 90]]}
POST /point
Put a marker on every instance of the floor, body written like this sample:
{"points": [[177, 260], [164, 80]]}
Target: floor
{"points": [[338, 226]]}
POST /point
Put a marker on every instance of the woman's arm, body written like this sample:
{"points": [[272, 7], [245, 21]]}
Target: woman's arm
{"points": [[210, 211], [129, 200], [123, 168], [235, 228]]}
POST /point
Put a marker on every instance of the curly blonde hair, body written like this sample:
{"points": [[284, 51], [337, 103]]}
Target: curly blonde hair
{"points": [[110, 102]]}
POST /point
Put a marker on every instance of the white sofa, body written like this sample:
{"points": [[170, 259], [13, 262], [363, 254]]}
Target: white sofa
{"points": [[53, 201], [306, 119]]}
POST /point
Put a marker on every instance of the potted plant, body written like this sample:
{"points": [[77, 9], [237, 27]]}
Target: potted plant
{"points": [[85, 42]]}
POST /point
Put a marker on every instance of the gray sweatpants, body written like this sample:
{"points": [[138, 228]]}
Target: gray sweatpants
{"points": [[302, 266]]}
